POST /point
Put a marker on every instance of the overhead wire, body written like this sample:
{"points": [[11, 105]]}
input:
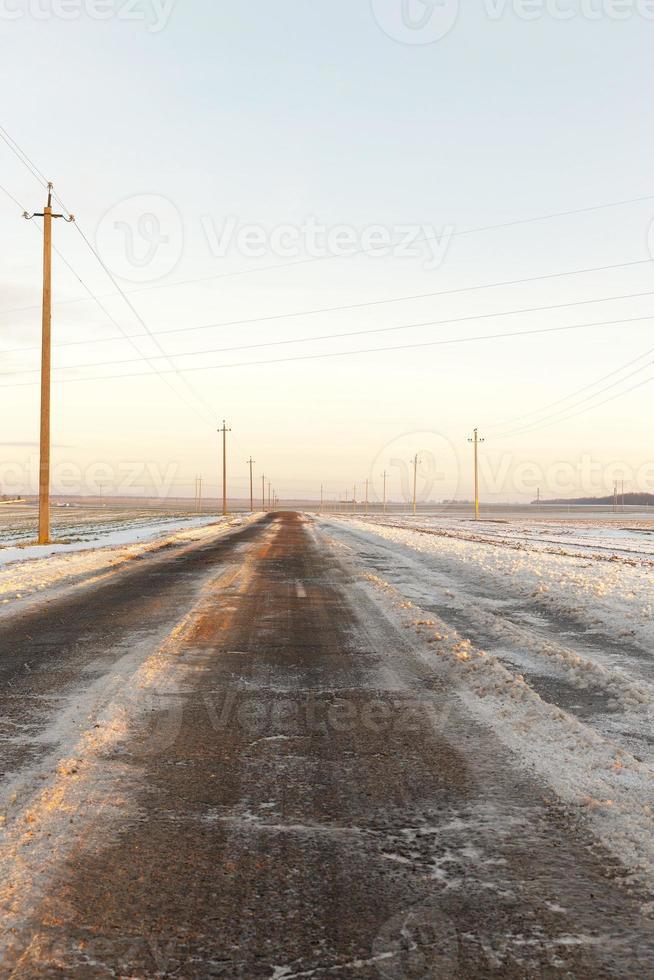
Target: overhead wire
{"points": [[374, 330], [348, 353], [23, 157]]}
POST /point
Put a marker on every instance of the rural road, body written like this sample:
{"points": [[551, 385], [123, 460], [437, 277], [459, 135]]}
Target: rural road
{"points": [[228, 761]]}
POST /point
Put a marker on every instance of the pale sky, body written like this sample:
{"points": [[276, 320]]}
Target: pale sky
{"points": [[169, 128]]}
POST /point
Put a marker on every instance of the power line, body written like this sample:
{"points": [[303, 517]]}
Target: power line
{"points": [[24, 158], [100, 305], [340, 335], [18, 204], [425, 238], [537, 423], [589, 408], [144, 357], [367, 350], [577, 391], [199, 398], [347, 307], [355, 333]]}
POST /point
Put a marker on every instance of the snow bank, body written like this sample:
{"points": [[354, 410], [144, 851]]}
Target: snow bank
{"points": [[27, 572], [612, 790], [604, 590]]}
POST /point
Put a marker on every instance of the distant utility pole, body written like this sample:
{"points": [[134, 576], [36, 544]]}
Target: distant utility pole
{"points": [[538, 499], [615, 497], [385, 475], [224, 431], [46, 362], [199, 495], [263, 492], [476, 441], [251, 464], [415, 484]]}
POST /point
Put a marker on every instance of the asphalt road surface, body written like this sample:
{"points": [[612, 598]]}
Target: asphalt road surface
{"points": [[227, 761]]}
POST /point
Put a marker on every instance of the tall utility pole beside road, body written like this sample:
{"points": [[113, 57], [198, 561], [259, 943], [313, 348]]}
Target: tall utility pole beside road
{"points": [[415, 484], [476, 441], [251, 464], [224, 431], [46, 364]]}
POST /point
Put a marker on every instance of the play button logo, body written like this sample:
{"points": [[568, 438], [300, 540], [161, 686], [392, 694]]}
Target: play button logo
{"points": [[416, 21]]}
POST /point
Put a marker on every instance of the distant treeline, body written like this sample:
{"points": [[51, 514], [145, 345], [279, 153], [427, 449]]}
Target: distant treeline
{"points": [[630, 499]]}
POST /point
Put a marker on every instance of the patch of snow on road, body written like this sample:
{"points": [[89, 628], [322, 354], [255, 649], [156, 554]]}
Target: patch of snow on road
{"points": [[606, 592], [609, 785], [33, 571]]}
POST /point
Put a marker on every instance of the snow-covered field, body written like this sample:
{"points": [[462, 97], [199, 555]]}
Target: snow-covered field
{"points": [[82, 523], [100, 546], [546, 630]]}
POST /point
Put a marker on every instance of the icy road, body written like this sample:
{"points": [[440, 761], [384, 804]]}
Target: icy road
{"points": [[321, 747]]}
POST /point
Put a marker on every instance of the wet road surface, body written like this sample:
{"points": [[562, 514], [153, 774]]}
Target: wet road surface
{"points": [[301, 797]]}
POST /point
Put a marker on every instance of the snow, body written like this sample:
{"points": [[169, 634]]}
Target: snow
{"points": [[586, 574], [36, 570], [100, 537], [545, 632], [84, 783]]}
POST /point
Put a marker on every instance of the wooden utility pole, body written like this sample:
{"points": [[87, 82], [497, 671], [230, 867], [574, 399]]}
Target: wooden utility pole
{"points": [[224, 431], [251, 464], [415, 484], [263, 492], [476, 441], [385, 474], [46, 365]]}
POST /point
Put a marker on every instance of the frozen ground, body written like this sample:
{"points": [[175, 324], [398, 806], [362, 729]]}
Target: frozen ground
{"points": [[94, 547], [78, 523], [254, 757], [546, 627]]}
